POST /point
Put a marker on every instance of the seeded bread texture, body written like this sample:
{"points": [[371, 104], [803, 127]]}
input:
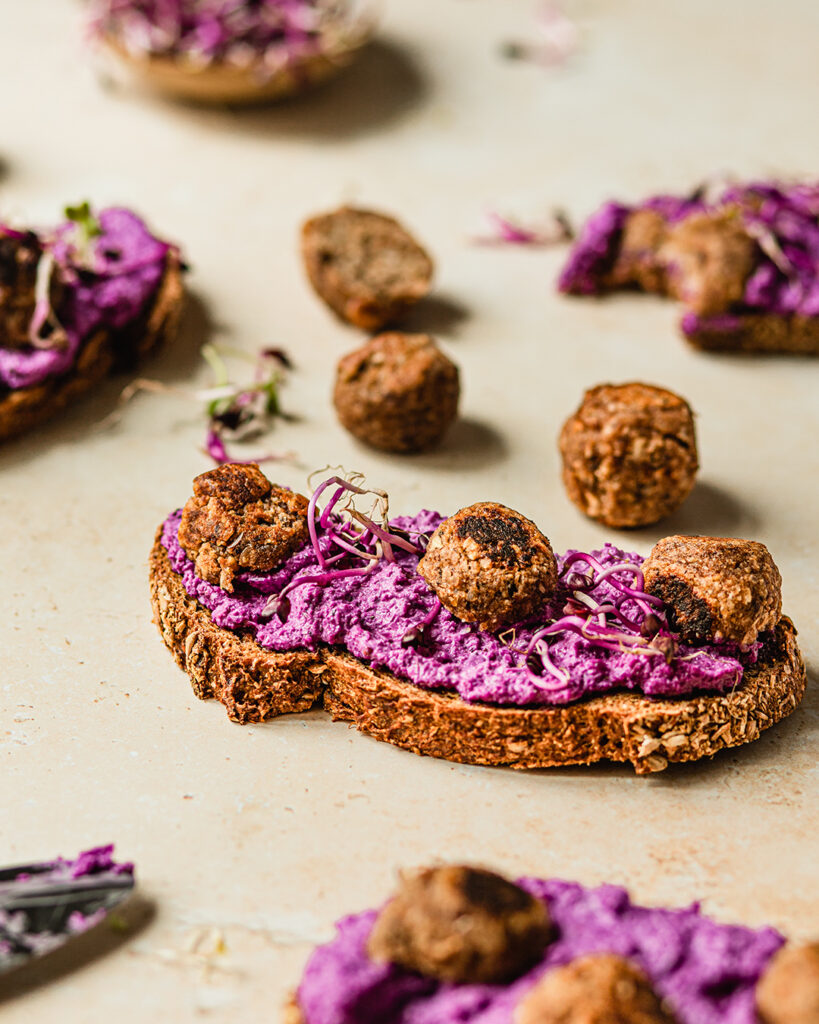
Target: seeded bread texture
{"points": [[255, 684], [102, 353]]}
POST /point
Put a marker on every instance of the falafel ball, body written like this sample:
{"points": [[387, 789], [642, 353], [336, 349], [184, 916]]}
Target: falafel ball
{"points": [[366, 266], [788, 992], [715, 588], [491, 565], [237, 521], [461, 924], [709, 257], [397, 392], [597, 989], [629, 454]]}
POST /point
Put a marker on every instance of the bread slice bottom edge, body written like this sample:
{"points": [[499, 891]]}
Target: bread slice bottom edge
{"points": [[256, 684]]}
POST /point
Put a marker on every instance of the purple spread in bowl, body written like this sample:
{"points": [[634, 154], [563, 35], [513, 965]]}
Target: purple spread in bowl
{"points": [[706, 971], [110, 291], [783, 218], [202, 32], [368, 616]]}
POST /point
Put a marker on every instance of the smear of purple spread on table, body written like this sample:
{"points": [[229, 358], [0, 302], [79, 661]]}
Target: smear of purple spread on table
{"points": [[369, 615], [706, 971]]}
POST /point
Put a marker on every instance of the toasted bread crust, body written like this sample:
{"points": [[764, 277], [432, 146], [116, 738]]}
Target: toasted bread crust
{"points": [[102, 353], [255, 684], [762, 334]]}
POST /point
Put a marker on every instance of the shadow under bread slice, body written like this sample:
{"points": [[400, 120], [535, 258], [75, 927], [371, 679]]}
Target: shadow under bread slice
{"points": [[465, 638], [93, 296], [462, 945]]}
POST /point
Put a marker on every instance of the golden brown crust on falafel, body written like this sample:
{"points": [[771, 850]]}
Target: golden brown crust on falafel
{"points": [[397, 392], [489, 564], [461, 924], [629, 454], [237, 521], [365, 265]]}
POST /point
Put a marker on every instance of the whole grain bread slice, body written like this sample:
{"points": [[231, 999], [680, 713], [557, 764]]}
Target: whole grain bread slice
{"points": [[255, 684], [102, 353]]}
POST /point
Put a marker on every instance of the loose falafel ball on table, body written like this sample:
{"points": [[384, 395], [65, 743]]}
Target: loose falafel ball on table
{"points": [[366, 266], [397, 392], [629, 454]]}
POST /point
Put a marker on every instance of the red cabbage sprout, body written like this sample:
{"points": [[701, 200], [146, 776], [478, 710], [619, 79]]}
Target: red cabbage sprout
{"points": [[603, 624], [341, 531]]}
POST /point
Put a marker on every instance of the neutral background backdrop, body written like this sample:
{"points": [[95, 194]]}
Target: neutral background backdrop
{"points": [[253, 840]]}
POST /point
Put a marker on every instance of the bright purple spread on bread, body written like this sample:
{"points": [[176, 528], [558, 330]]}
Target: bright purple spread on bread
{"points": [[784, 220], [706, 971], [369, 615], [107, 287]]}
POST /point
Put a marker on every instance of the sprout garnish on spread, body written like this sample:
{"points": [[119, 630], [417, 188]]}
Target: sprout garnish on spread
{"points": [[104, 268], [267, 34], [355, 585]]}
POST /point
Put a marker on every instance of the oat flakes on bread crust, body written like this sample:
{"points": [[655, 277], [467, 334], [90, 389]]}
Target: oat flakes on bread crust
{"points": [[104, 352], [255, 684]]}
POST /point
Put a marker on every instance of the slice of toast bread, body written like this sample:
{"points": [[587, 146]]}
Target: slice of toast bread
{"points": [[102, 353], [256, 684]]}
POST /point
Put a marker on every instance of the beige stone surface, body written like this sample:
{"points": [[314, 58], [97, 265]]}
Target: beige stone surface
{"points": [[251, 841]]}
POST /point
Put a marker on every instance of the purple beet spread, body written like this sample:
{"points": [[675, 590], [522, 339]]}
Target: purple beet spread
{"points": [[369, 615], [784, 217], [706, 971], [128, 264]]}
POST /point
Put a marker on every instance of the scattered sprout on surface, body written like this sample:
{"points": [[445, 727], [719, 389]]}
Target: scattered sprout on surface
{"points": [[502, 230]]}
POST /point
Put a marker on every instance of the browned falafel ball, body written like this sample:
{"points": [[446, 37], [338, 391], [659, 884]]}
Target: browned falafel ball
{"points": [[491, 565], [715, 588], [629, 454], [788, 992], [397, 392], [237, 521], [461, 924], [708, 257], [597, 989], [366, 266]]}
